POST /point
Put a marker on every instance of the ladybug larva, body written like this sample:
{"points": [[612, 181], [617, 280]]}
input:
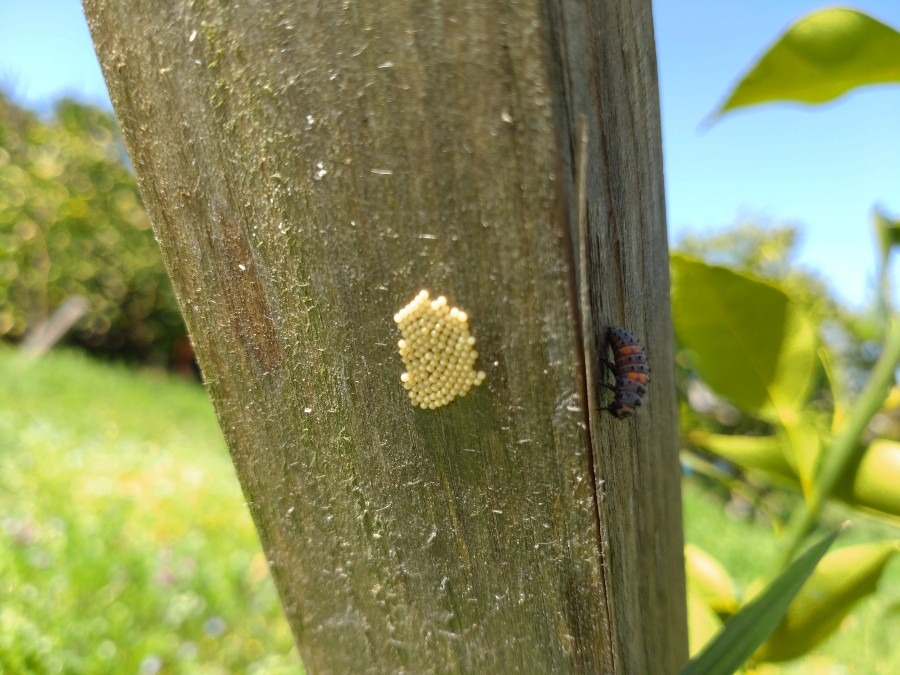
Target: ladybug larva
{"points": [[630, 370]]}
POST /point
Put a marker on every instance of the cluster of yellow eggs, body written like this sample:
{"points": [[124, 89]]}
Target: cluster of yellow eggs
{"points": [[437, 350]]}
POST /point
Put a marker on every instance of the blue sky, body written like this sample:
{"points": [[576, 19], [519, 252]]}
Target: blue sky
{"points": [[823, 169]]}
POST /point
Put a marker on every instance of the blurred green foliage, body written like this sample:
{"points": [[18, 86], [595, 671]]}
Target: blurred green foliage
{"points": [[782, 387], [758, 618], [72, 224], [125, 542], [728, 559], [754, 347]]}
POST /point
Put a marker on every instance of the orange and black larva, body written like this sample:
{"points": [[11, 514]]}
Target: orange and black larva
{"points": [[630, 370]]}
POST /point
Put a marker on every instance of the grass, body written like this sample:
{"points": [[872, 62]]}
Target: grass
{"points": [[125, 544]]}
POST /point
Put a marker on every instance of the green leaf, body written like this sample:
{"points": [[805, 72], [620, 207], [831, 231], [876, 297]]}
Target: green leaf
{"points": [[763, 453], [874, 483], [708, 581], [839, 582], [835, 384], [806, 451], [887, 234], [821, 57], [756, 620], [703, 622], [752, 344]]}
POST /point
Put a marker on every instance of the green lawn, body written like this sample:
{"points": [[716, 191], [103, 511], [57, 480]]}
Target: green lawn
{"points": [[125, 545]]}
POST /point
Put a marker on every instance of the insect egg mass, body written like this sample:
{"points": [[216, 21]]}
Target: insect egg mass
{"points": [[437, 350]]}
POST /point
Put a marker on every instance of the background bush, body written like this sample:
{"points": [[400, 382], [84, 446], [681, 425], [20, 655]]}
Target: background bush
{"points": [[72, 223]]}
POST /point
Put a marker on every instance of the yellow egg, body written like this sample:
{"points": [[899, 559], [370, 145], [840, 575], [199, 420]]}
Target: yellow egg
{"points": [[437, 350]]}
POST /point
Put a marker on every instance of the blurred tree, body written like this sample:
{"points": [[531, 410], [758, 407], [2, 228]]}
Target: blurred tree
{"points": [[72, 223]]}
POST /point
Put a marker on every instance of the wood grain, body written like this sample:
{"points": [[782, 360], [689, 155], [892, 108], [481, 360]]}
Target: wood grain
{"points": [[308, 168]]}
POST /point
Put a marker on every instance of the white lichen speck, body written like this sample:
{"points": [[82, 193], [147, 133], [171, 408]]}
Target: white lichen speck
{"points": [[437, 350]]}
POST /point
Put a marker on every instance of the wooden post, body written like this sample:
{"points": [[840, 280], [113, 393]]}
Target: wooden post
{"points": [[309, 167]]}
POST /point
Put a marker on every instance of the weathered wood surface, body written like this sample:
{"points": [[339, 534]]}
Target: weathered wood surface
{"points": [[308, 168]]}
